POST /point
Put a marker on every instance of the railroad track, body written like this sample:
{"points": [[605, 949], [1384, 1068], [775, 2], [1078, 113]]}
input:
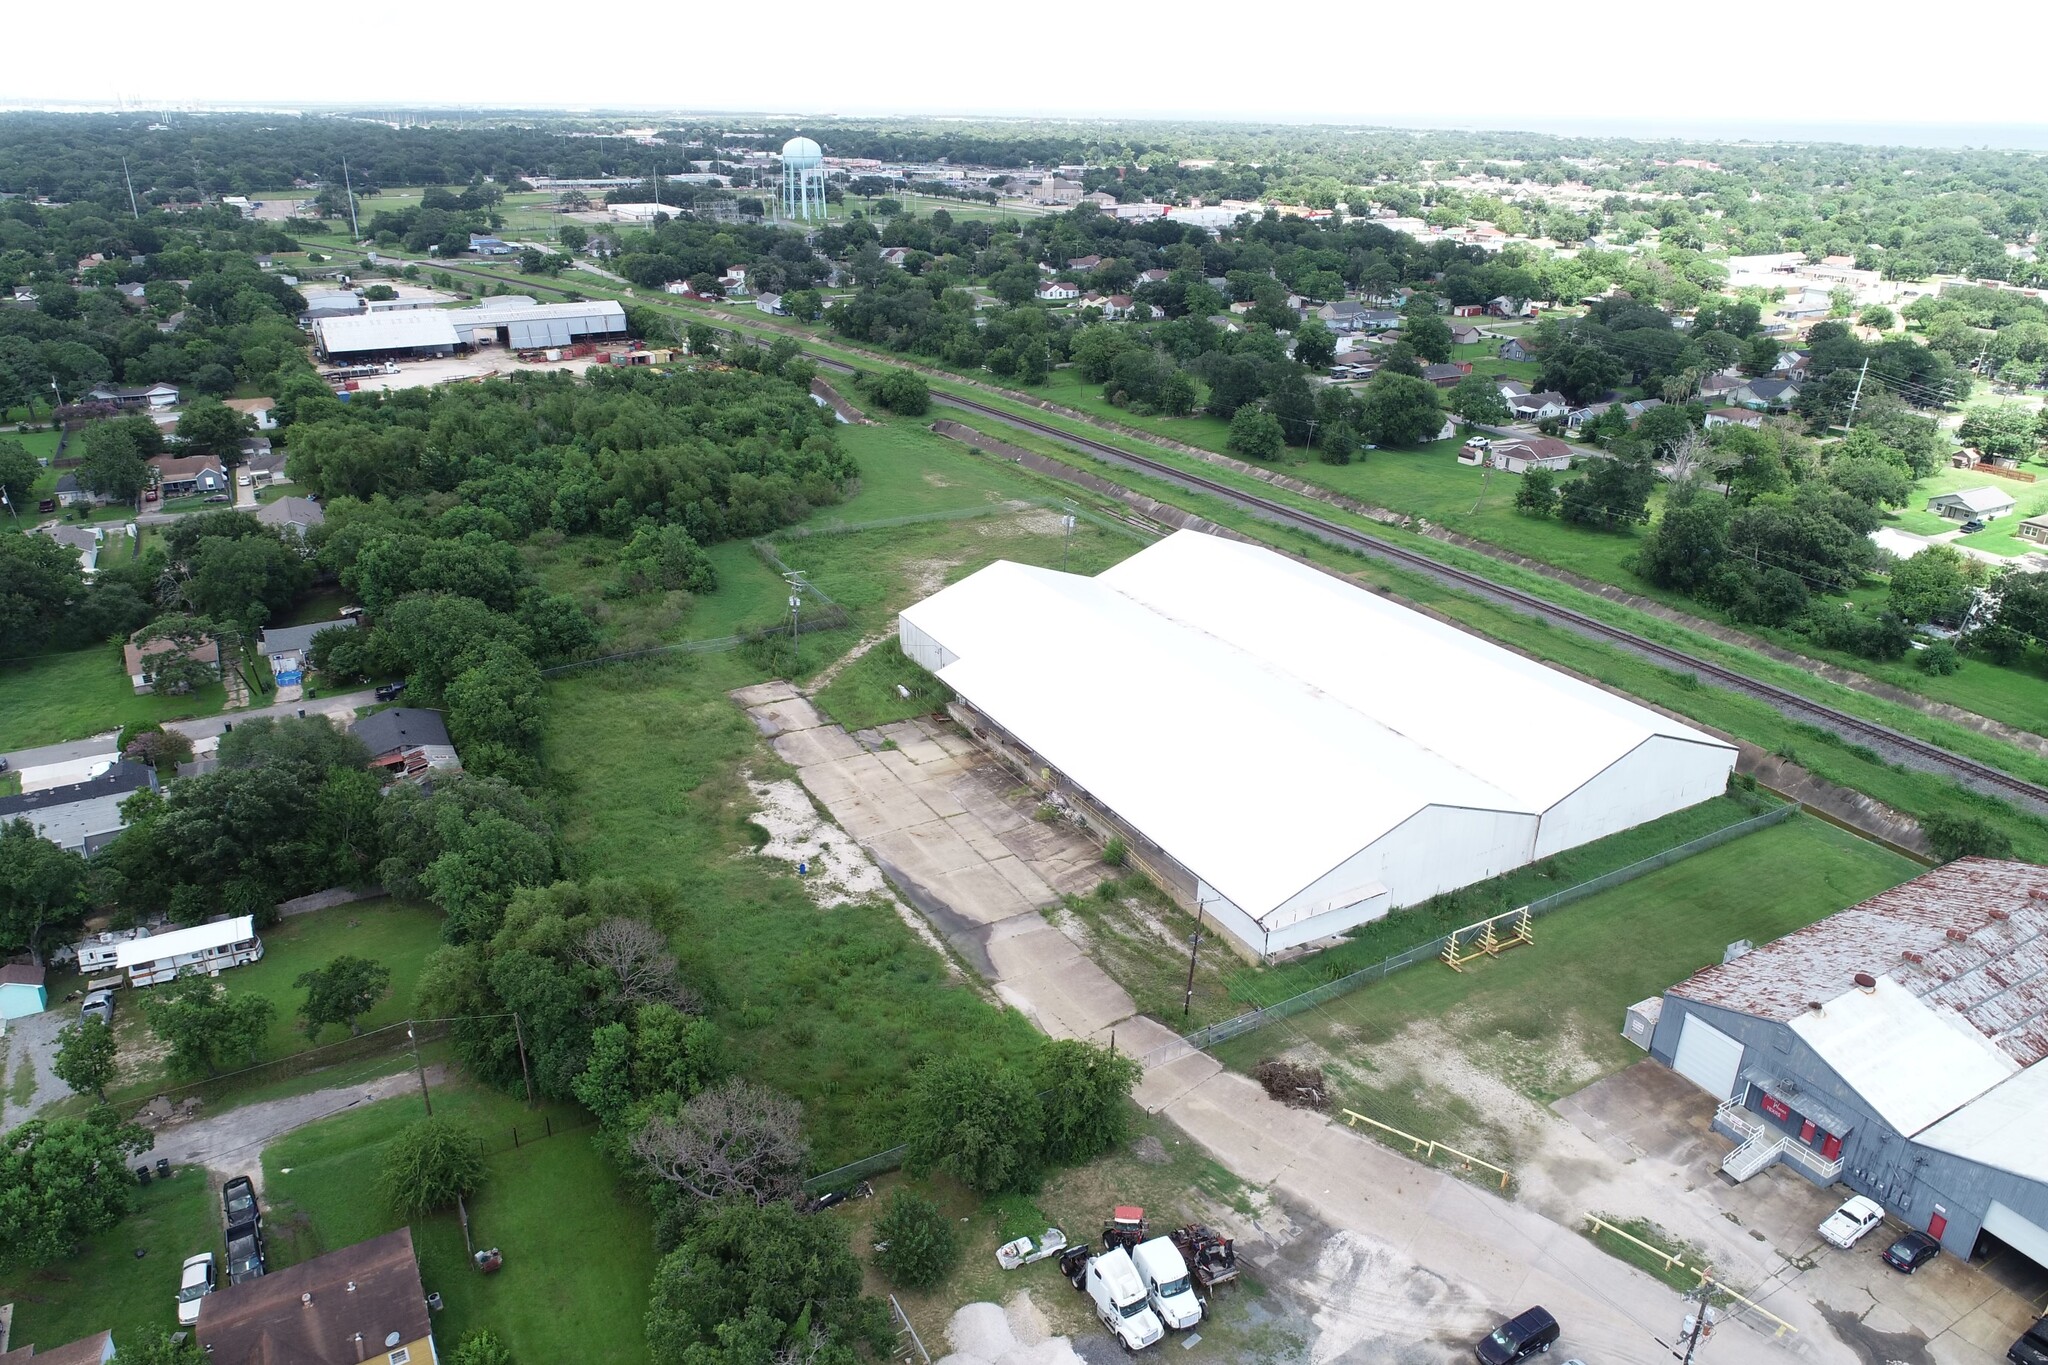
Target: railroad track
{"points": [[1893, 744]]}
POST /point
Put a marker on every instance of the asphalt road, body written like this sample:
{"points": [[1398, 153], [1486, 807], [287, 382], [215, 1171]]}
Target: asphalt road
{"points": [[343, 705]]}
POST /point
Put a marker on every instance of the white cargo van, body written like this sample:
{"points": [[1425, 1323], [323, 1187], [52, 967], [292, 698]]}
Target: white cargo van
{"points": [[1165, 1277], [1120, 1301]]}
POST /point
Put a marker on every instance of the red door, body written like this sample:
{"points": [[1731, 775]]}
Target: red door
{"points": [[1831, 1148], [1938, 1223], [1806, 1132]]}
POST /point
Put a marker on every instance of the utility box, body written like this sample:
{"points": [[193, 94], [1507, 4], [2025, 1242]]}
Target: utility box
{"points": [[1640, 1024]]}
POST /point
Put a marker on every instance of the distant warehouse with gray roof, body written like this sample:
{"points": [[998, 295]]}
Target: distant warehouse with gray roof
{"points": [[511, 321], [1899, 1047]]}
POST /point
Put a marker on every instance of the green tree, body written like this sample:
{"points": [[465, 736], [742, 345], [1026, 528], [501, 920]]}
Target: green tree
{"points": [[206, 1027], [765, 1275], [917, 1246], [1429, 334], [1256, 434], [1878, 316], [62, 1181], [40, 584], [1477, 399], [306, 746], [1878, 482], [1610, 494], [113, 463], [178, 670], [1935, 585], [18, 474], [210, 427], [429, 1165], [605, 1087], [340, 992], [1958, 834], [161, 1346], [1177, 395], [1689, 543], [247, 579], [675, 1053], [2000, 430], [42, 890], [666, 558], [1086, 1093], [1399, 410], [976, 1120], [1315, 346], [1537, 493], [903, 392], [85, 1057]]}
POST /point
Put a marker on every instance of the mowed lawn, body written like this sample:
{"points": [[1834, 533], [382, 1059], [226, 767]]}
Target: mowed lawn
{"points": [[579, 1248], [1546, 1019], [126, 1279], [395, 933], [51, 698]]}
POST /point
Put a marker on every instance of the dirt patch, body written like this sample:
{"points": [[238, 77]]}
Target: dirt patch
{"points": [[832, 670], [1039, 523], [937, 480], [1150, 1150], [927, 576], [837, 871]]}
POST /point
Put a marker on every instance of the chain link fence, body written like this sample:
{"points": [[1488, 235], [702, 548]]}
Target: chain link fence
{"points": [[1203, 1039]]}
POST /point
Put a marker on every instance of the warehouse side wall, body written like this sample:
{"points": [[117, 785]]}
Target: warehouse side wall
{"points": [[1657, 777]]}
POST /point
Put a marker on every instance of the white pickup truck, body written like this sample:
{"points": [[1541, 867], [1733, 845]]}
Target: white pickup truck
{"points": [[1166, 1281], [1120, 1300]]}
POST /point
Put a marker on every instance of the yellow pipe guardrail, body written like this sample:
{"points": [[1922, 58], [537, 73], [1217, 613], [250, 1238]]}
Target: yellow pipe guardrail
{"points": [[1432, 1146], [1602, 1225]]}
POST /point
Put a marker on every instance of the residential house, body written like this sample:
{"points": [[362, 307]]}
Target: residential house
{"points": [[1124, 306], [1638, 407], [1511, 389], [298, 515], [183, 476], [1972, 504], [85, 541], [1578, 417], [1447, 374], [262, 409], [734, 280], [1154, 276], [97, 1349], [1083, 263], [1466, 336], [1534, 407], [1356, 365], [1469, 310], [1101, 199], [771, 304], [1806, 307], [1514, 349], [267, 467], [407, 742], [898, 256], [150, 396], [1768, 395], [1792, 365], [363, 1303], [1506, 307], [1379, 320], [81, 816], [21, 992], [252, 448], [1520, 454], [1343, 316], [1718, 386], [210, 948], [142, 671], [2034, 529], [1734, 417], [62, 765], [70, 493], [287, 648], [489, 246], [1058, 291]]}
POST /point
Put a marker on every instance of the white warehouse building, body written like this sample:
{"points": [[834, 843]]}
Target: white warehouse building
{"points": [[1303, 755]]}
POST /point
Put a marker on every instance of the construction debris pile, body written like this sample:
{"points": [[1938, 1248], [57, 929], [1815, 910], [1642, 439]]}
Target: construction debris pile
{"points": [[1300, 1086]]}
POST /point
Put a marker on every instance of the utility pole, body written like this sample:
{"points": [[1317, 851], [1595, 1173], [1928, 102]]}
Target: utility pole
{"points": [[348, 188], [1187, 1003], [132, 209], [420, 1067], [1067, 526], [1856, 397]]}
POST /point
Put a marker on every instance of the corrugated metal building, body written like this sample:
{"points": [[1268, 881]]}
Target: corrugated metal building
{"points": [[1306, 755], [1896, 1047], [513, 321]]}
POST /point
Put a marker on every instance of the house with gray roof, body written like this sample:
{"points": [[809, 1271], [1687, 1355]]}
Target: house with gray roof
{"points": [[83, 817], [299, 515], [287, 647], [1972, 504], [407, 742]]}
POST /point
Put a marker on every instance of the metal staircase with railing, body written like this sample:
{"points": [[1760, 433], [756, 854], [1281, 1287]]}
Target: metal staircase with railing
{"points": [[1761, 1145]]}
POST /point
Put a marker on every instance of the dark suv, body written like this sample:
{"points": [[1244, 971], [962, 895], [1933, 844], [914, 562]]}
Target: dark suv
{"points": [[238, 1203], [245, 1254], [1525, 1335], [2031, 1349]]}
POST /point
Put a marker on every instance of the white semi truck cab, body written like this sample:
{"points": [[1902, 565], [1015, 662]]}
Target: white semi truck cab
{"points": [[1120, 1300], [1167, 1284]]}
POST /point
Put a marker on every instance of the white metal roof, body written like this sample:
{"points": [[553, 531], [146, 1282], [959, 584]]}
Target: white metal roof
{"points": [[178, 942], [1262, 721], [1978, 499], [1911, 1062], [2001, 1128], [387, 331]]}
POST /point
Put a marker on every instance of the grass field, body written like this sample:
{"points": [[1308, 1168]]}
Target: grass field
{"points": [[125, 1280], [578, 1252], [394, 933], [865, 694], [51, 698], [1545, 1020]]}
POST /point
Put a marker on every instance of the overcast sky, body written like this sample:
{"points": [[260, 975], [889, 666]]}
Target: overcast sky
{"points": [[1783, 70]]}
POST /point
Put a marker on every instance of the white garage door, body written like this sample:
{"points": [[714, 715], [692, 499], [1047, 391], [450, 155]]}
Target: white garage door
{"points": [[2029, 1239], [1707, 1056]]}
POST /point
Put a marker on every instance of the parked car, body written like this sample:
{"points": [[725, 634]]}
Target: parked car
{"points": [[98, 1005], [390, 691], [238, 1203], [244, 480], [195, 1282], [1971, 528], [1521, 1337], [47, 505], [245, 1254], [218, 497], [2032, 1347], [1911, 1251], [1847, 1224]]}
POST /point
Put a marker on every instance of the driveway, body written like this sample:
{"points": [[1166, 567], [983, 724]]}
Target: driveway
{"points": [[231, 1142], [1401, 1263], [342, 706], [33, 1039]]}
